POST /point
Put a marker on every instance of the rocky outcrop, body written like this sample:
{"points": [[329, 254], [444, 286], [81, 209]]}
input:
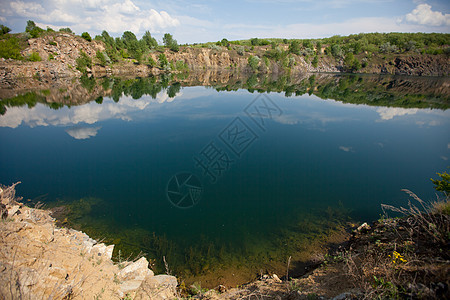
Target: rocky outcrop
{"points": [[59, 52], [41, 261]]}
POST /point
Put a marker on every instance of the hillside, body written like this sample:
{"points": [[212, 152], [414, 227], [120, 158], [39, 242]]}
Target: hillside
{"points": [[53, 55]]}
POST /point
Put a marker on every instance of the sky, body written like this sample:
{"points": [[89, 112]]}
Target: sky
{"points": [[212, 20]]}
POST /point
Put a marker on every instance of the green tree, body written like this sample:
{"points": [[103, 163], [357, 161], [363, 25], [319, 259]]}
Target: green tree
{"points": [[32, 29], [351, 63], [170, 42], [4, 29], [149, 40], [132, 45], [442, 185], [66, 30], [254, 41], [86, 36]]}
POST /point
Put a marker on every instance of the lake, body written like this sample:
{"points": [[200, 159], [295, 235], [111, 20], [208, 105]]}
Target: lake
{"points": [[237, 175]]}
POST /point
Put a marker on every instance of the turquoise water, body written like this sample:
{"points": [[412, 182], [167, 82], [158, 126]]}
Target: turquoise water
{"points": [[305, 155]]}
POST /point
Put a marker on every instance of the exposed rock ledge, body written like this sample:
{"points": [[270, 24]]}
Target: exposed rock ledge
{"points": [[41, 261]]}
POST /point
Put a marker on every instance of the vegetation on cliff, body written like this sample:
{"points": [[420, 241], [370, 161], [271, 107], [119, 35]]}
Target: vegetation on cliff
{"points": [[366, 53]]}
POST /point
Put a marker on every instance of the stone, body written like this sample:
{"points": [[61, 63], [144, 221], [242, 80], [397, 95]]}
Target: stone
{"points": [[276, 278], [363, 226], [130, 286], [157, 287], [136, 271], [102, 250]]}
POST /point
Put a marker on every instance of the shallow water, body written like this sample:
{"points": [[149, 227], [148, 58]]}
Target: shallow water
{"points": [[264, 172]]}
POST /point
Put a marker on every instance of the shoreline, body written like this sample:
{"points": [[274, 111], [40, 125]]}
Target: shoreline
{"points": [[35, 252]]}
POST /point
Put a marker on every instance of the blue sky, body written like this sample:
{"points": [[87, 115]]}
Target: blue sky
{"points": [[202, 21]]}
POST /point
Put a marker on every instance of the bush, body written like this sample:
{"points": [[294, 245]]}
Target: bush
{"points": [[163, 62], [86, 36], [83, 62], [34, 57], [66, 30], [240, 50], [10, 48], [253, 62], [214, 47], [151, 62], [294, 47], [101, 58], [315, 61]]}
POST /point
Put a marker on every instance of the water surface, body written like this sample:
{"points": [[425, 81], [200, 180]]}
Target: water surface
{"points": [[282, 170]]}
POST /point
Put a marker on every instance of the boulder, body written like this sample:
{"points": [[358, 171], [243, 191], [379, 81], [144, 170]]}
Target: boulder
{"points": [[158, 287], [136, 271]]}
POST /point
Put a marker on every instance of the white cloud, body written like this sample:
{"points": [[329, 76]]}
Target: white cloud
{"points": [[82, 133], [89, 113], [27, 9], [444, 157], [423, 15], [115, 16], [346, 149], [388, 113]]}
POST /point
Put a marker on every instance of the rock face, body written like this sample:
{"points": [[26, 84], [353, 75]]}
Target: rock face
{"points": [[59, 52], [39, 260]]}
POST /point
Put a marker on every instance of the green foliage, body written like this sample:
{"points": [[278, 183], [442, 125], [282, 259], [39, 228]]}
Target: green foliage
{"points": [[10, 48], [131, 43], [170, 42], [163, 62], [66, 30], [173, 90], [307, 44], [4, 29], [294, 47], [351, 63], [224, 42], [442, 185], [253, 62], [83, 62], [33, 30], [240, 50], [388, 48], [151, 62], [29, 99], [34, 56], [180, 65], [318, 47], [88, 82], [315, 61], [149, 40], [101, 58], [254, 41], [86, 36]]}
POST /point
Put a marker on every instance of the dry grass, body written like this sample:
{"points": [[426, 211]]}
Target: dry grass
{"points": [[404, 257]]}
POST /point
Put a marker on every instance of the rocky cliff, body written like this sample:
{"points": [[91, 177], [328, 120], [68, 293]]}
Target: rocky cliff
{"points": [[40, 260], [59, 52]]}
